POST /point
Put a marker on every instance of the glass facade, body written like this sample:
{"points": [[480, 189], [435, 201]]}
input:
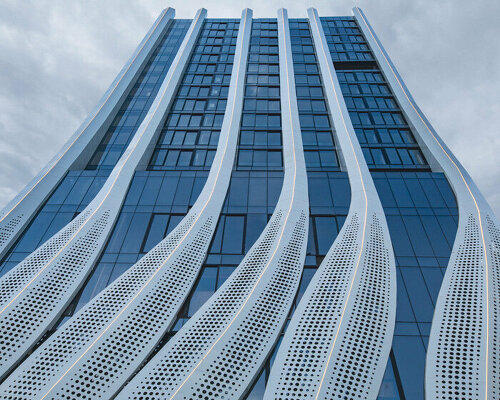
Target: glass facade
{"points": [[139, 100], [419, 204], [160, 197], [382, 131], [191, 133], [329, 191], [422, 215], [257, 173]]}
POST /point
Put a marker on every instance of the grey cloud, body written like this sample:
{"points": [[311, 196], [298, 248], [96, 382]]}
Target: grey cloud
{"points": [[57, 58]]}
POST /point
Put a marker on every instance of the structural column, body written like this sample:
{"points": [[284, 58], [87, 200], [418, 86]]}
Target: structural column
{"points": [[35, 292], [339, 338], [18, 213], [219, 351], [462, 355], [109, 338]]}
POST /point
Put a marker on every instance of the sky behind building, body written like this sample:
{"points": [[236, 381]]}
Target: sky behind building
{"points": [[58, 58]]}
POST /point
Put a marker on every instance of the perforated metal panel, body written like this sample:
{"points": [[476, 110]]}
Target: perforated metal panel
{"points": [[96, 351], [16, 215], [338, 341], [363, 340], [461, 342], [494, 307], [14, 282], [132, 310], [37, 290], [219, 351], [10, 227], [462, 355]]}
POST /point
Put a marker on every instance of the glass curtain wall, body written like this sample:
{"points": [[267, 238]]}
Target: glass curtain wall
{"points": [[420, 207]]}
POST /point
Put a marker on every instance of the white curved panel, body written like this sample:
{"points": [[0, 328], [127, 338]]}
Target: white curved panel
{"points": [[462, 355], [98, 349], [16, 215], [339, 338], [219, 351], [35, 292]]}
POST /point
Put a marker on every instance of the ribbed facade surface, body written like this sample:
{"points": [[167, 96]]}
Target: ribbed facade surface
{"points": [[256, 209]]}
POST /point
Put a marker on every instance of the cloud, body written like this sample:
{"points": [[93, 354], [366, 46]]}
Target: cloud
{"points": [[58, 57]]}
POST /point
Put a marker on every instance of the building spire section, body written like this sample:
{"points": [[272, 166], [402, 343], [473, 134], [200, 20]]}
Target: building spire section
{"points": [[238, 326], [20, 211], [336, 318], [465, 326], [45, 282]]}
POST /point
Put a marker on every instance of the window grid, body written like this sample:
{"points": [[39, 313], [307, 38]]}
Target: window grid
{"points": [[422, 217], [191, 132], [345, 40], [382, 131], [260, 134], [140, 98], [317, 133]]}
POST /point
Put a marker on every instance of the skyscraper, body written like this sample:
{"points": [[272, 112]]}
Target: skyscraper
{"points": [[255, 209]]}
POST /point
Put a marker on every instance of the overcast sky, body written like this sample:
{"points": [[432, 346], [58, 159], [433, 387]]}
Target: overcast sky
{"points": [[58, 57]]}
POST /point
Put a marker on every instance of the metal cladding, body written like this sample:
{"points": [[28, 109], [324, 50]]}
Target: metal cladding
{"points": [[271, 89], [349, 307], [236, 329], [463, 346], [151, 292], [36, 292]]}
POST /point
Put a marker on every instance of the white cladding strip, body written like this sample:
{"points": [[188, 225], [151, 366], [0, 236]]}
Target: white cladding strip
{"points": [[35, 292], [98, 349], [339, 338], [16, 215], [220, 350], [462, 355]]}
